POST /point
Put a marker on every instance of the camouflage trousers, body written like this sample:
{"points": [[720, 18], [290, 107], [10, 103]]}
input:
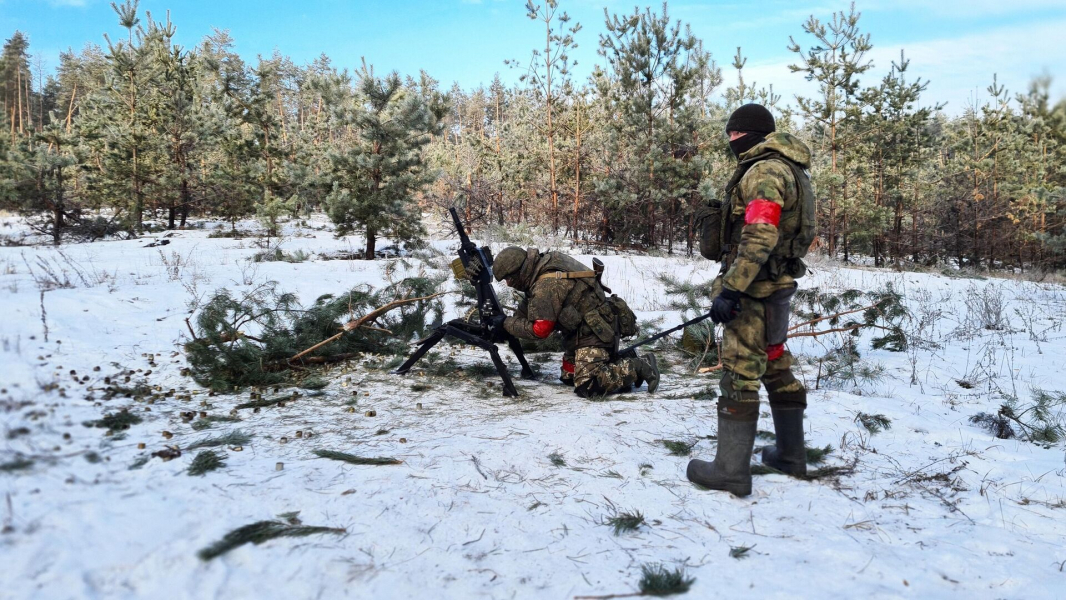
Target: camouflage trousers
{"points": [[566, 372], [596, 375], [753, 348]]}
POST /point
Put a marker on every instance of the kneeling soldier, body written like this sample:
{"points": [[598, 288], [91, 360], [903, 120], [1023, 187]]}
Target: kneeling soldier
{"points": [[563, 295]]}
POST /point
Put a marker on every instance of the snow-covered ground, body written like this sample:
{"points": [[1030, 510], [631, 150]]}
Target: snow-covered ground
{"points": [[935, 507]]}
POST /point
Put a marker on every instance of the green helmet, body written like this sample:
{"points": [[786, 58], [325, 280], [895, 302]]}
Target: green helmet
{"points": [[508, 262]]}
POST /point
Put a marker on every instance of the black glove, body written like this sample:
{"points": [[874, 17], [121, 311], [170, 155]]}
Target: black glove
{"points": [[725, 306], [496, 328], [473, 270]]}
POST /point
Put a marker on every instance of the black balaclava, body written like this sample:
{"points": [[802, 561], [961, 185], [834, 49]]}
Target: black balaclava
{"points": [[743, 144], [753, 119]]}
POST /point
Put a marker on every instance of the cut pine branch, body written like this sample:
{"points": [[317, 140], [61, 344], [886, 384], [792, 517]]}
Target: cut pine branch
{"points": [[364, 321], [832, 316]]}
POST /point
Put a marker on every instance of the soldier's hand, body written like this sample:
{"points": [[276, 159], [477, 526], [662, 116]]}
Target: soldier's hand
{"points": [[496, 327], [473, 270], [726, 306]]}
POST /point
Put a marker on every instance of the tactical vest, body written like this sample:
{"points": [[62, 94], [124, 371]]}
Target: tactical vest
{"points": [[587, 303], [720, 230]]}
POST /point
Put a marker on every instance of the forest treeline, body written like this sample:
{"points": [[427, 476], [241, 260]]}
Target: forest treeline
{"points": [[141, 131]]}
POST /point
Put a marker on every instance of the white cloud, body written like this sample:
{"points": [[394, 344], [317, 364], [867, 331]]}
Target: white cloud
{"points": [[958, 69]]}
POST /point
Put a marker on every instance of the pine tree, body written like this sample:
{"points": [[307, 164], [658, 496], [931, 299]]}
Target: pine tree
{"points": [[654, 66], [119, 121], [835, 63], [47, 162], [548, 75], [895, 134], [376, 179], [15, 84]]}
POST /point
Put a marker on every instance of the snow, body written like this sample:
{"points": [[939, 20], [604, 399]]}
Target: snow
{"points": [[936, 507]]}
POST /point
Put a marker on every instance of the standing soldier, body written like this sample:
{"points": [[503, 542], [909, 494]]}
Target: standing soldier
{"points": [[561, 294], [767, 224]]}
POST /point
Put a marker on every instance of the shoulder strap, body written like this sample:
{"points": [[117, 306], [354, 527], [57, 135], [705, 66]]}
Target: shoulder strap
{"points": [[568, 275]]}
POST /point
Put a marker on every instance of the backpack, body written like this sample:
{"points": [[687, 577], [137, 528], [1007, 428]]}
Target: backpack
{"points": [[710, 226], [806, 213]]}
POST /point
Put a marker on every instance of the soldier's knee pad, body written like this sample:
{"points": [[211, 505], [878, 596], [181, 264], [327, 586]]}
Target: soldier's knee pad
{"points": [[739, 389], [590, 389], [781, 382]]}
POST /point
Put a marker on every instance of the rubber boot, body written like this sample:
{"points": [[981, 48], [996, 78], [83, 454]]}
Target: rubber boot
{"points": [[788, 454], [647, 368], [731, 469]]}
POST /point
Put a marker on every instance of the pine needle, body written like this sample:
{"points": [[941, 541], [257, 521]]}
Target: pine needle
{"points": [[207, 460], [817, 455], [356, 460], [677, 448], [208, 421], [314, 383], [118, 421], [480, 370], [873, 423], [626, 521], [19, 464], [260, 532], [233, 438], [655, 580], [557, 459], [832, 471], [761, 469], [739, 552], [264, 403]]}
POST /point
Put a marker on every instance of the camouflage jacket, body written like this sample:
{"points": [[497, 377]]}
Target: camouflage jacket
{"points": [[756, 202], [554, 304]]}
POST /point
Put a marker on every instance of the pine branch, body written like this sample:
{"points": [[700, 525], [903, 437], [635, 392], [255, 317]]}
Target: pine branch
{"points": [[833, 316], [364, 320]]}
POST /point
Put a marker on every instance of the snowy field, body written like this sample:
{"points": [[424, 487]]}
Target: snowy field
{"points": [[934, 506]]}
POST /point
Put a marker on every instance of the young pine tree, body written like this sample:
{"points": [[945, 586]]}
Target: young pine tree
{"points": [[375, 180], [834, 62]]}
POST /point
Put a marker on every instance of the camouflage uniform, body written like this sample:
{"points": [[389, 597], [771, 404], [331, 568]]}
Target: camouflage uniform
{"points": [[753, 342], [768, 213], [561, 304]]}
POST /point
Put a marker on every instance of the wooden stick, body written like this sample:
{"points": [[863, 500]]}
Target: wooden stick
{"points": [[363, 321], [840, 314], [823, 332], [372, 328]]}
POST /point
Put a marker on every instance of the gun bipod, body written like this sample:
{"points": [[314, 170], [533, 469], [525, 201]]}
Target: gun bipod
{"points": [[460, 330]]}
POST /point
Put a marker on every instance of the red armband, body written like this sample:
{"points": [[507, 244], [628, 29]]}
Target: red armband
{"points": [[568, 367], [774, 352], [542, 328], [762, 211]]}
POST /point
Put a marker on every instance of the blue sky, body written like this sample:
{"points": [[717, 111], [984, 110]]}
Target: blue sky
{"points": [[956, 44]]}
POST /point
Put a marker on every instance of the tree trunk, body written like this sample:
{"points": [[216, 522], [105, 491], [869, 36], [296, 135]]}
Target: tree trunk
{"points": [[371, 239], [577, 172], [57, 206]]}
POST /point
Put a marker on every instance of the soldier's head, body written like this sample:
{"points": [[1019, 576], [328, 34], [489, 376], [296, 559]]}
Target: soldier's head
{"points": [[508, 264], [748, 126]]}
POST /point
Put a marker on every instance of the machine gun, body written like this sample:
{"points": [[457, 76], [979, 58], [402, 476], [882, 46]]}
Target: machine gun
{"points": [[486, 332]]}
